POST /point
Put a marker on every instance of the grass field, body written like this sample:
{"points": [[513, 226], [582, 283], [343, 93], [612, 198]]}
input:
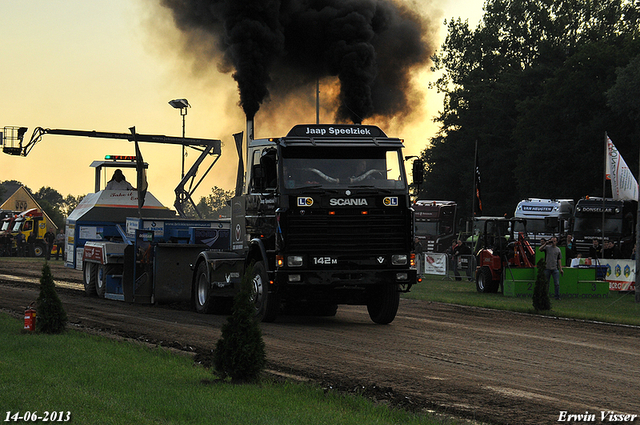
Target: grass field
{"points": [[617, 308], [92, 380]]}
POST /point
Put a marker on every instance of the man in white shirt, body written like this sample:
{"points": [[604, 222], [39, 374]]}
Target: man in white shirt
{"points": [[118, 182]]}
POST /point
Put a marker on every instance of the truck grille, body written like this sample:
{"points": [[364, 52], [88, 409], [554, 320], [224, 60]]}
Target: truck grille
{"points": [[348, 233]]}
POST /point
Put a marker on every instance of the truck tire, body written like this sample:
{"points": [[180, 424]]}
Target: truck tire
{"points": [[101, 279], [267, 305], [485, 283], [383, 303], [89, 271], [202, 290], [39, 250]]}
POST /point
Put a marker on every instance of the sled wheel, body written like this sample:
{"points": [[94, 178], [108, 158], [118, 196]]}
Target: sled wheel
{"points": [[101, 279], [89, 271], [202, 292]]}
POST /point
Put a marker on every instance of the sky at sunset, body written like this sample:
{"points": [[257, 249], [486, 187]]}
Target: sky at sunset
{"points": [[108, 65]]}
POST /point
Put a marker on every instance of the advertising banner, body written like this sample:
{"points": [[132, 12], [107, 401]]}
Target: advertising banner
{"points": [[621, 274], [434, 263]]}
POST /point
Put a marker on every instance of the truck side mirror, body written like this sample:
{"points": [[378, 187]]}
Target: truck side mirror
{"points": [[418, 171]]}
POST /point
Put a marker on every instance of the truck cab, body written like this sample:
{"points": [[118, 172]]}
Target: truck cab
{"points": [[435, 224], [605, 218], [545, 217], [6, 239], [325, 217], [33, 225]]}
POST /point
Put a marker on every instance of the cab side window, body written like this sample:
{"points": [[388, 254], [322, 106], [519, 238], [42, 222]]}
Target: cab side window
{"points": [[263, 171]]}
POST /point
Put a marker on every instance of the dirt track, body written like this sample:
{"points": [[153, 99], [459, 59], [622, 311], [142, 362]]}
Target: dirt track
{"points": [[487, 365]]}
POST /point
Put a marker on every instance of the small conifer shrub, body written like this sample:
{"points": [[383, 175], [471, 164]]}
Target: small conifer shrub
{"points": [[51, 317], [240, 352], [541, 300]]}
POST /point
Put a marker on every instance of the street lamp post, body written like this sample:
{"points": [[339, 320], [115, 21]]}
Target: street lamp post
{"points": [[182, 105]]}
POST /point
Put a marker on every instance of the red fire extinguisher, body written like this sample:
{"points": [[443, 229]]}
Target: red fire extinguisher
{"points": [[30, 318]]}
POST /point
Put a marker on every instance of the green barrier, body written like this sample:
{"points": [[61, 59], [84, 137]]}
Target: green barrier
{"points": [[575, 283]]}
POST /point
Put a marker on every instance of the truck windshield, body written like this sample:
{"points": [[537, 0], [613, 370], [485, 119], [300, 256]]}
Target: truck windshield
{"points": [[16, 226], [534, 225], [342, 167], [593, 225], [426, 228]]}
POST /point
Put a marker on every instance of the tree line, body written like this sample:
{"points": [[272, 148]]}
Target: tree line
{"points": [[534, 86]]}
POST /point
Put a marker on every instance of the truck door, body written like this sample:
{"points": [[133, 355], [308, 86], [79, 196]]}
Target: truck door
{"points": [[261, 199]]}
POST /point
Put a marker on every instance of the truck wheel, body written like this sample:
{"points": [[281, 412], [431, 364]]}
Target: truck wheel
{"points": [[267, 305], [101, 279], [89, 278], [38, 250], [383, 304], [202, 290], [484, 281]]}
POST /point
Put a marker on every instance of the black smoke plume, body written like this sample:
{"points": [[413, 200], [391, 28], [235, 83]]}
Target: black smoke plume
{"points": [[371, 46]]}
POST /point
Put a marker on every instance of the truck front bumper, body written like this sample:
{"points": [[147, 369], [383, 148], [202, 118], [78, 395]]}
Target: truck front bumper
{"points": [[342, 278]]}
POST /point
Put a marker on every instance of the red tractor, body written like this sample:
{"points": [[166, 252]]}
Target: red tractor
{"points": [[501, 250]]}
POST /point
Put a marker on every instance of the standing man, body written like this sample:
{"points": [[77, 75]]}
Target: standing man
{"points": [[450, 256], [553, 262], [21, 245], [49, 237], [595, 251], [60, 244], [570, 250], [31, 245], [458, 251]]}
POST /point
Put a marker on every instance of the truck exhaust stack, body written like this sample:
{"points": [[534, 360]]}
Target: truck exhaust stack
{"points": [[250, 128]]}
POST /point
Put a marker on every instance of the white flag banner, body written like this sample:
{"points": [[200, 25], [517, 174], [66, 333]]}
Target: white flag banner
{"points": [[624, 185]]}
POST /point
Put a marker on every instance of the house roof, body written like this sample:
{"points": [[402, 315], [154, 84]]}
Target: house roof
{"points": [[10, 189]]}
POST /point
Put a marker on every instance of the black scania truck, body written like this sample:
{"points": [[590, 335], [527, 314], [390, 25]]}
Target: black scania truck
{"points": [[323, 216]]}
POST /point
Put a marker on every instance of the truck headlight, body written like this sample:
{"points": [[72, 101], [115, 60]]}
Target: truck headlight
{"points": [[294, 261], [399, 259]]}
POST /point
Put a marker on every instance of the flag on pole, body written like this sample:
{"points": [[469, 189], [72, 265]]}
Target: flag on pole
{"points": [[477, 199], [624, 185]]}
